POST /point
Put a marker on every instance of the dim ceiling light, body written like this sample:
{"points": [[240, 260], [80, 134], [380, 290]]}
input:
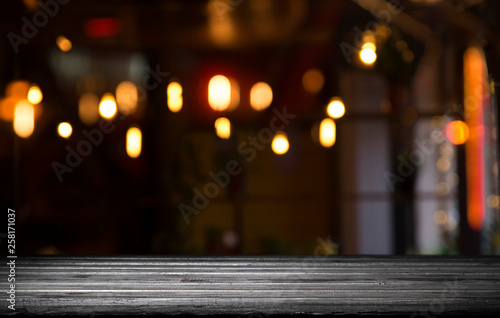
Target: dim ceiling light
{"points": [[63, 43], [126, 97], [88, 108], [219, 92], [313, 80], [223, 128], [335, 108], [367, 53], [261, 96], [64, 130], [107, 106], [280, 143], [35, 95]]}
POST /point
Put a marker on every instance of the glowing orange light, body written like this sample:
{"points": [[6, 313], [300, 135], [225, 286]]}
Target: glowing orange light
{"points": [[64, 129], [7, 106], [24, 119], [174, 97], [107, 106], [63, 43], [134, 142], [219, 92], [223, 128], [18, 89], [457, 132], [88, 108], [367, 53], [235, 94], [280, 143], [313, 80], [475, 94], [327, 132], [34, 95], [335, 108], [126, 97], [261, 96]]}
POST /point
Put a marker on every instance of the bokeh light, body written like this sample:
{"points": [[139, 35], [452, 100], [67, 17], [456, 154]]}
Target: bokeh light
{"points": [[223, 128], [64, 44], [280, 143], [219, 93], [126, 97], [134, 142], [313, 80], [261, 96], [327, 132], [335, 108], [367, 53], [88, 108], [24, 119], [174, 97], [64, 129], [107, 106], [35, 95], [457, 132], [18, 89]]}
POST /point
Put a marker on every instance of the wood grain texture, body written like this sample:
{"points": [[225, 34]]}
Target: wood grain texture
{"points": [[261, 284]]}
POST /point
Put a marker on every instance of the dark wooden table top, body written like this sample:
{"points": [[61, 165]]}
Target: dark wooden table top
{"points": [[257, 286]]}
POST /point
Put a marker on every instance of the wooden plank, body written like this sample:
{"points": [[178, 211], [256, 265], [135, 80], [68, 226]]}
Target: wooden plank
{"points": [[418, 285]]}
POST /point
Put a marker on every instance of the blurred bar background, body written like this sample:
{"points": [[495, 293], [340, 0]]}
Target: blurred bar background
{"points": [[250, 126]]}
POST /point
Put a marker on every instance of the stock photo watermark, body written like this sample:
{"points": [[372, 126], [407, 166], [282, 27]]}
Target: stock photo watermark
{"points": [[94, 137], [383, 17], [249, 150], [11, 258], [40, 19]]}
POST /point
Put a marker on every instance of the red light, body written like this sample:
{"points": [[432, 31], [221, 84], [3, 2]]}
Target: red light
{"points": [[102, 27]]}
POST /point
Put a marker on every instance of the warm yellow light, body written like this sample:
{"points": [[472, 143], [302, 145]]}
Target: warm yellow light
{"points": [[457, 132], [367, 53], [280, 143], [64, 130], [174, 97], [35, 95], [327, 132], [223, 128], [219, 92], [313, 80], [63, 43], [24, 119], [107, 106], [134, 142], [335, 108], [88, 108], [126, 97], [261, 96]]}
